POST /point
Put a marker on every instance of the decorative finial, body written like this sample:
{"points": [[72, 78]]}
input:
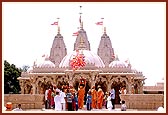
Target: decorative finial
{"points": [[81, 25], [102, 22], [58, 29], [58, 20], [58, 26], [80, 17], [46, 57], [104, 30], [116, 58]]}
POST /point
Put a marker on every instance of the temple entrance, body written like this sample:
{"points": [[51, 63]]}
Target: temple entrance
{"points": [[117, 87], [136, 89], [62, 83], [87, 87], [76, 84], [42, 86], [103, 85]]}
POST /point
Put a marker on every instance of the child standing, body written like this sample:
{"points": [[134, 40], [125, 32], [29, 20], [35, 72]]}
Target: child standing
{"points": [[105, 99], [76, 101], [89, 100], [109, 104], [123, 106], [69, 100]]}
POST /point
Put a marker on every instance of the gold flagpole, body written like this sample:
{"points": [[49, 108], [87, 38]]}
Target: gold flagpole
{"points": [[58, 29], [102, 25]]}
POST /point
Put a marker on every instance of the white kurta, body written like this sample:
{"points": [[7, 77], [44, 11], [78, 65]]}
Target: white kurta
{"points": [[109, 103], [57, 100], [63, 96]]}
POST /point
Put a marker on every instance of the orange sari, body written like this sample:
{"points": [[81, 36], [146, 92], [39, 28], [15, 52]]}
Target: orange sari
{"points": [[100, 95], [94, 98], [81, 94]]}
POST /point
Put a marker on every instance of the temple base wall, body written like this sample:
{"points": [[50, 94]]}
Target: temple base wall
{"points": [[143, 101], [27, 101]]}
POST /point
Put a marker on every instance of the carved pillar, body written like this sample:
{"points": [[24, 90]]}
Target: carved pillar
{"points": [[34, 88], [141, 87], [93, 79], [108, 77], [130, 84], [55, 79], [21, 83], [33, 81], [70, 74], [27, 87]]}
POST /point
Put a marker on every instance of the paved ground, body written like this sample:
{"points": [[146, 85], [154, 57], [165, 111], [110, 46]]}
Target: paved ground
{"points": [[84, 110], [103, 110], [80, 110]]}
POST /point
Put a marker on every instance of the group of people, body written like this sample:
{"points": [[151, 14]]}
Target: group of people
{"points": [[67, 98]]}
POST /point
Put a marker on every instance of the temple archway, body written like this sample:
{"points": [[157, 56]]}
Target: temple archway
{"points": [[76, 84], [27, 87], [87, 87], [116, 86], [42, 84], [62, 83], [103, 83], [136, 88]]}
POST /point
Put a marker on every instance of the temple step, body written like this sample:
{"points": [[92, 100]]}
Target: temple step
{"points": [[117, 105]]}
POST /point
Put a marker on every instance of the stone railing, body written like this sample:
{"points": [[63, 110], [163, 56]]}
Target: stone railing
{"points": [[143, 101], [27, 101]]}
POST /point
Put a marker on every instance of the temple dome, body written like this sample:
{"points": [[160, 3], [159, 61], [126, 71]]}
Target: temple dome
{"points": [[90, 59], [44, 62], [117, 64]]}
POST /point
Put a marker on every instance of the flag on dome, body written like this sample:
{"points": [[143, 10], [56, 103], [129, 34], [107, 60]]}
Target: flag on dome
{"points": [[126, 61], [43, 55], [113, 56], [75, 34], [99, 23], [54, 23]]}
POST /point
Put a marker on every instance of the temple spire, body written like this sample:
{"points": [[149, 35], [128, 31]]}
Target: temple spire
{"points": [[81, 44], [116, 58]]}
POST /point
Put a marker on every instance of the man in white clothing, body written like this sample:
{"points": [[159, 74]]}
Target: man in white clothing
{"points": [[46, 100], [63, 97], [57, 100], [18, 108]]}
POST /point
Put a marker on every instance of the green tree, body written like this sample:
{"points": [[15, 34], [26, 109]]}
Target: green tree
{"points": [[11, 73]]}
